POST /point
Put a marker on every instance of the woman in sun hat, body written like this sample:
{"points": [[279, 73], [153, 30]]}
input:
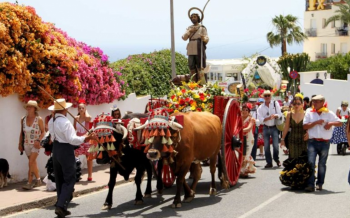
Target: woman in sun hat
{"points": [[32, 131]]}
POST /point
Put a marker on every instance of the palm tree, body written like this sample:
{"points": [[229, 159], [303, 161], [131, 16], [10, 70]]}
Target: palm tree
{"points": [[343, 13], [287, 31]]}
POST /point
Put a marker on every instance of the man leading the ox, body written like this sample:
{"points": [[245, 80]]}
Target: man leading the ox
{"points": [[198, 38], [267, 113], [64, 137], [319, 122]]}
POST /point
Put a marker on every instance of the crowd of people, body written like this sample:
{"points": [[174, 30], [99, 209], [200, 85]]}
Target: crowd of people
{"points": [[307, 128]]}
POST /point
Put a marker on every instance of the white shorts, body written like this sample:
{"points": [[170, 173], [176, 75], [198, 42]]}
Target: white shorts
{"points": [[29, 149]]}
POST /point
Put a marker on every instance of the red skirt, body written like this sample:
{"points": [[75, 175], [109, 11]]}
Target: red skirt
{"points": [[83, 148]]}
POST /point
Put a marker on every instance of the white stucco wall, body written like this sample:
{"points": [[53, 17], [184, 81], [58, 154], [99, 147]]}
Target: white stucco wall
{"points": [[333, 90], [11, 111]]}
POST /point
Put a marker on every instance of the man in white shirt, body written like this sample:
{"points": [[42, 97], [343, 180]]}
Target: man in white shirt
{"points": [[64, 137], [319, 124], [254, 114], [267, 113]]}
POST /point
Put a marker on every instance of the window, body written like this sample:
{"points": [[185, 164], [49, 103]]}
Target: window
{"points": [[332, 48], [344, 48], [313, 24], [324, 48], [211, 76], [219, 77], [333, 24]]}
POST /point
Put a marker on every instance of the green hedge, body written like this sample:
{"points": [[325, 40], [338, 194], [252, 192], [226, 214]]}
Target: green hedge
{"points": [[337, 66], [150, 73]]}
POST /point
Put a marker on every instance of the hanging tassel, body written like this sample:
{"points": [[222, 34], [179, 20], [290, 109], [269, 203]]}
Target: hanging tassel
{"points": [[171, 149], [112, 139], [151, 133], [114, 153], [155, 133], [147, 141], [151, 139], [90, 149], [108, 147], [162, 132], [146, 149], [168, 134], [164, 140], [165, 149], [107, 139], [100, 155], [101, 148], [96, 148], [112, 146], [146, 133], [170, 142], [102, 140], [171, 160]]}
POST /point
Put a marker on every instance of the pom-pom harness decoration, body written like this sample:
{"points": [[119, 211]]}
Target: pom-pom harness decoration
{"points": [[103, 127], [158, 125]]}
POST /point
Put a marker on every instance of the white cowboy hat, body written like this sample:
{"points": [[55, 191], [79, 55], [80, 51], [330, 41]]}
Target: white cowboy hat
{"points": [[60, 104], [318, 97], [266, 92], [32, 103]]}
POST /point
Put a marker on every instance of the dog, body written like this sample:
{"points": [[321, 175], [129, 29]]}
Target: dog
{"points": [[4, 172]]}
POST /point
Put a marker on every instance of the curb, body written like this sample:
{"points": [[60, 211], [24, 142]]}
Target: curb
{"points": [[50, 201]]}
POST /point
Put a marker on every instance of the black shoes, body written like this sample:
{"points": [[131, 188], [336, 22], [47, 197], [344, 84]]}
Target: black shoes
{"points": [[268, 166], [319, 187], [309, 189], [62, 213], [278, 163]]}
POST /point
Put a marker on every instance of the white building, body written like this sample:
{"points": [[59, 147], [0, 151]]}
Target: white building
{"points": [[324, 41]]}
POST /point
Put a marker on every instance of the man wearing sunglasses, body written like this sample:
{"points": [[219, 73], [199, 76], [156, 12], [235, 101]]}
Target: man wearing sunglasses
{"points": [[319, 123], [267, 113]]}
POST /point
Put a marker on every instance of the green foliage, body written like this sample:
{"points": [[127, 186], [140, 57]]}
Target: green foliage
{"points": [[296, 62], [149, 74], [337, 66], [342, 13]]}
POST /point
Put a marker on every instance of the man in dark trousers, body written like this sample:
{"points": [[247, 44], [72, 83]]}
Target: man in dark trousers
{"points": [[64, 138]]}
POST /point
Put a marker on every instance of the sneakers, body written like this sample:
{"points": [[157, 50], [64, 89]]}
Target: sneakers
{"points": [[319, 187], [28, 186], [37, 183], [309, 189]]}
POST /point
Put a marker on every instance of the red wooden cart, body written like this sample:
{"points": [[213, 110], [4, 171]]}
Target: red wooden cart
{"points": [[228, 110]]}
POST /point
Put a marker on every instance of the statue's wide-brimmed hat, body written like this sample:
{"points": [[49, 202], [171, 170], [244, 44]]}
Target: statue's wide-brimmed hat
{"points": [[60, 104]]}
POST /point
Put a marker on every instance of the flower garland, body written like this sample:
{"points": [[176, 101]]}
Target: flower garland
{"points": [[34, 53], [193, 97]]}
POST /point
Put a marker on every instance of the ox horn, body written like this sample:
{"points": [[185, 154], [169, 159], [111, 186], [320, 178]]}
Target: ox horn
{"points": [[125, 131], [142, 126], [175, 125]]}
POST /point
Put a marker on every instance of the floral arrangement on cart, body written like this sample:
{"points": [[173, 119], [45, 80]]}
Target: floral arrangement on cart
{"points": [[193, 97]]}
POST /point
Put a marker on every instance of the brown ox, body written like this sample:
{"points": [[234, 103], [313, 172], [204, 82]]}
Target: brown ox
{"points": [[200, 140]]}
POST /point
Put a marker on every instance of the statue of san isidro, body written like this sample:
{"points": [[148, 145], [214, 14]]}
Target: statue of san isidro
{"points": [[198, 38]]}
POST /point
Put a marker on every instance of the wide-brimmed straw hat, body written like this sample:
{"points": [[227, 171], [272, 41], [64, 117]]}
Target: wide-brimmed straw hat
{"points": [[60, 104], [32, 103], [345, 103], [266, 92]]}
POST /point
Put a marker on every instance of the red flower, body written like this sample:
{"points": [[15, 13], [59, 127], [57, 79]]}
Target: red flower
{"points": [[191, 101], [172, 97], [202, 97], [182, 102], [199, 109], [183, 91], [187, 99]]}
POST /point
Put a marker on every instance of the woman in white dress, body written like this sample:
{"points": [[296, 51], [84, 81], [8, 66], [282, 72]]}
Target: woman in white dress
{"points": [[248, 127]]}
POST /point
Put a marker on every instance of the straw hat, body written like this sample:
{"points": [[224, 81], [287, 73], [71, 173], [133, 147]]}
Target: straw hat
{"points": [[266, 92], [345, 103], [60, 104], [318, 97], [32, 103]]}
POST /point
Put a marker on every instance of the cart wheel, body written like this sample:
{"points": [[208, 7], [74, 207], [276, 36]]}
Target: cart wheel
{"points": [[232, 126], [343, 149], [339, 148]]}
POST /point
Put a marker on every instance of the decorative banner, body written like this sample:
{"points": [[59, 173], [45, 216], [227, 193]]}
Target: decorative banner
{"points": [[293, 74], [261, 60]]}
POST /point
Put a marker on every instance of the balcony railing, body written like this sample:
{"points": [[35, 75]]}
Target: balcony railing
{"points": [[312, 32], [321, 55], [342, 31]]}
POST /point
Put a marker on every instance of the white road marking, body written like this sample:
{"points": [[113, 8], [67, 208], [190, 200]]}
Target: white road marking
{"points": [[262, 205]]}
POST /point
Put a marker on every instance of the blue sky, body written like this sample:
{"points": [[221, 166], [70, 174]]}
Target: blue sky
{"points": [[123, 27]]}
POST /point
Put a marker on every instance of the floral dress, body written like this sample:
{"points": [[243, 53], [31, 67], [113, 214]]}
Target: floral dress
{"points": [[248, 161], [83, 149]]}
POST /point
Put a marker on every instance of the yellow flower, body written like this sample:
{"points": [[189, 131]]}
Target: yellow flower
{"points": [[195, 96], [179, 93]]}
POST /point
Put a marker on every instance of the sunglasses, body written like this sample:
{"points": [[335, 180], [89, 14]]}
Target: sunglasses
{"points": [[296, 104], [267, 96]]}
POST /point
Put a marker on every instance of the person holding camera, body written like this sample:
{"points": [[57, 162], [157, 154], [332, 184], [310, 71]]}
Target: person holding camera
{"points": [[32, 131]]}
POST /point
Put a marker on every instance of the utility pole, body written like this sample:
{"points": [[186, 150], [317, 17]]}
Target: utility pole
{"points": [[173, 70]]}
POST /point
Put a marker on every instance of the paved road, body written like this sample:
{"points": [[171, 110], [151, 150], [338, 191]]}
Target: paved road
{"points": [[261, 195]]}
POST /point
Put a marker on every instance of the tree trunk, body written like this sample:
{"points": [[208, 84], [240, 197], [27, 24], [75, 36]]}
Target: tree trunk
{"points": [[284, 47]]}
